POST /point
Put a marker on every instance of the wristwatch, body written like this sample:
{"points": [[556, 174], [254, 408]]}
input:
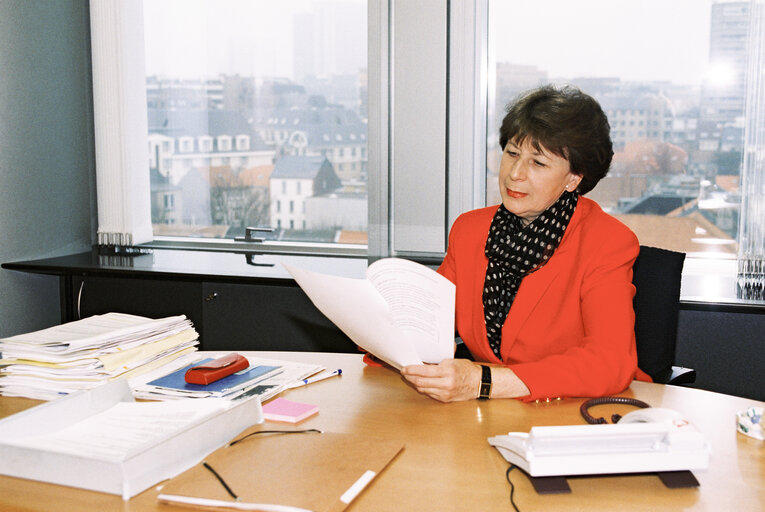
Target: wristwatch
{"points": [[485, 390]]}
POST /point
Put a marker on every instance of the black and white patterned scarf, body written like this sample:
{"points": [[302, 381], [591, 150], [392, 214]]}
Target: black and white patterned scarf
{"points": [[515, 251]]}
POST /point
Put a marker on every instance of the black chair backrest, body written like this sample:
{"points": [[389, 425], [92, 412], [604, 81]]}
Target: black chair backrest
{"points": [[656, 276]]}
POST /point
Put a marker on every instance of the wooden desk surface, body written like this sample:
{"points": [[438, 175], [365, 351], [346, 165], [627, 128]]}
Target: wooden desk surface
{"points": [[447, 463]]}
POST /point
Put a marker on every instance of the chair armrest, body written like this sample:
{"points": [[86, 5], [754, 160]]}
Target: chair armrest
{"points": [[682, 375]]}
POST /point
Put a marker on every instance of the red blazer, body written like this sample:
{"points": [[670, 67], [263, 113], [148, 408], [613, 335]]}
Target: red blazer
{"points": [[571, 328]]}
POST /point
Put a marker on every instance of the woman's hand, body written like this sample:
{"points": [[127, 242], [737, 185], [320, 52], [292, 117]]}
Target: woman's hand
{"points": [[449, 381]]}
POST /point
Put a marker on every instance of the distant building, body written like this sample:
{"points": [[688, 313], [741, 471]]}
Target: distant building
{"points": [[166, 200], [319, 130], [181, 140], [636, 116], [164, 93], [294, 179], [344, 209], [724, 90]]}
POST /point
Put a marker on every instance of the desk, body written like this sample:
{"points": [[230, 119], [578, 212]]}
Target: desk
{"points": [[447, 463]]}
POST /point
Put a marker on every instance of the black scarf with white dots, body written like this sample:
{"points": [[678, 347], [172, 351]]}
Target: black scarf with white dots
{"points": [[515, 251]]}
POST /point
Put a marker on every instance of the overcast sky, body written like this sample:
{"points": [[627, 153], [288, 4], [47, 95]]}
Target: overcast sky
{"points": [[631, 39], [208, 37]]}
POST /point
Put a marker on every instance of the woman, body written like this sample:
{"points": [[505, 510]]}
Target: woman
{"points": [[544, 291]]}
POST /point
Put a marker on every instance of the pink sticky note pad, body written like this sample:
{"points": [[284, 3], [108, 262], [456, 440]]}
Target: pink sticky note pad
{"points": [[281, 409]]}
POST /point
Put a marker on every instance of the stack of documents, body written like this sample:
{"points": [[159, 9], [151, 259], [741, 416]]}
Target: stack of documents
{"points": [[80, 355]]}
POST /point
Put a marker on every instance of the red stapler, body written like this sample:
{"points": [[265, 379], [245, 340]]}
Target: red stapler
{"points": [[209, 372]]}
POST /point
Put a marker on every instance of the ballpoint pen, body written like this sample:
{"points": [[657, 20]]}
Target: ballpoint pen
{"points": [[317, 378]]}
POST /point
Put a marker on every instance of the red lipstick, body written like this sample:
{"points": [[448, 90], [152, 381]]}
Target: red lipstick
{"points": [[515, 195]]}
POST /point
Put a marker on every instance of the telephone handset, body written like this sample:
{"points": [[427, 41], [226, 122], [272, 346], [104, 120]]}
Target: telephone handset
{"points": [[646, 440]]}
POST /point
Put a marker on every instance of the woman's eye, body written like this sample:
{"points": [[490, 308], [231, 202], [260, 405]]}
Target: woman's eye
{"points": [[538, 163], [512, 153]]}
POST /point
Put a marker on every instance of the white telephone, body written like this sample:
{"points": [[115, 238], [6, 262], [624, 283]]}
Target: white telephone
{"points": [[646, 440]]}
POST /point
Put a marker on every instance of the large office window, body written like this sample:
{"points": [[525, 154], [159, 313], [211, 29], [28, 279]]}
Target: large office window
{"points": [[672, 78], [246, 100], [670, 75]]}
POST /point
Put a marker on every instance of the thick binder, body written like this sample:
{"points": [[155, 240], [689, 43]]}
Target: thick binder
{"points": [[321, 472]]}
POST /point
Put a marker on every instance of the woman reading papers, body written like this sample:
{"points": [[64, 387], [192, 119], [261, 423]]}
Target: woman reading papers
{"points": [[543, 280]]}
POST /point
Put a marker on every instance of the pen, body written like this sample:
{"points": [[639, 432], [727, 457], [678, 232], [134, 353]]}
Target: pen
{"points": [[317, 378]]}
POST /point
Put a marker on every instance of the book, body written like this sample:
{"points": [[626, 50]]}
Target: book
{"points": [[319, 472], [103, 440], [228, 386], [281, 409], [402, 312]]}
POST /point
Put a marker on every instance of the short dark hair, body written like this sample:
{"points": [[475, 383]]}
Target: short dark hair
{"points": [[567, 122]]}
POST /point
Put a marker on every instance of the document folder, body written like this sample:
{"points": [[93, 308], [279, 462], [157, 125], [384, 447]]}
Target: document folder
{"points": [[299, 471]]}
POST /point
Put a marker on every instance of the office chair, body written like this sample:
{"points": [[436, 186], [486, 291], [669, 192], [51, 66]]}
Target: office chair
{"points": [[656, 276]]}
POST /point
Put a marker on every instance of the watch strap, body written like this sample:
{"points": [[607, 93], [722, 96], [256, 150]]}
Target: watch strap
{"points": [[485, 390]]}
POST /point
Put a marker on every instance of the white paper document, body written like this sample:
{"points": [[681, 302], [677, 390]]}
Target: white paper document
{"points": [[403, 312], [124, 429]]}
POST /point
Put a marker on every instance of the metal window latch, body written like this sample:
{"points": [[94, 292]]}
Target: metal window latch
{"points": [[250, 257], [249, 235]]}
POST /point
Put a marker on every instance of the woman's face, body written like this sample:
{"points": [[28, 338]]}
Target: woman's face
{"points": [[530, 181]]}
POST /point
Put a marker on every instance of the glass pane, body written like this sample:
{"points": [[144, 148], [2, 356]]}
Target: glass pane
{"points": [[671, 76], [253, 106]]}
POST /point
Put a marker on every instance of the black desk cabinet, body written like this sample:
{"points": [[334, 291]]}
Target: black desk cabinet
{"points": [[266, 317], [232, 304]]}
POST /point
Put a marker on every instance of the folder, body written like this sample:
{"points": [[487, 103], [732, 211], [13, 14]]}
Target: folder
{"points": [[321, 472]]}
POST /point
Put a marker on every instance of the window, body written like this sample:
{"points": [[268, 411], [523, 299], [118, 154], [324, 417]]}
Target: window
{"points": [[242, 142], [412, 175], [679, 188], [224, 143], [261, 86], [187, 144]]}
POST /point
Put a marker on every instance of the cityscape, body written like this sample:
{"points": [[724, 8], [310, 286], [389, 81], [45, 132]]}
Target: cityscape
{"points": [[237, 151]]}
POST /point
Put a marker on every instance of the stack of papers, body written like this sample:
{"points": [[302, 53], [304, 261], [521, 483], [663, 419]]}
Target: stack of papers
{"points": [[81, 355]]}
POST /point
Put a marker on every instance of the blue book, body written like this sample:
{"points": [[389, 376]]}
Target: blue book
{"points": [[230, 384]]}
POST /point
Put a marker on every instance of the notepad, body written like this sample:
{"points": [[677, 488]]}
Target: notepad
{"points": [[282, 409]]}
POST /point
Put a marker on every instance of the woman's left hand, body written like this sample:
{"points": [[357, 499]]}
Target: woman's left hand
{"points": [[449, 381]]}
